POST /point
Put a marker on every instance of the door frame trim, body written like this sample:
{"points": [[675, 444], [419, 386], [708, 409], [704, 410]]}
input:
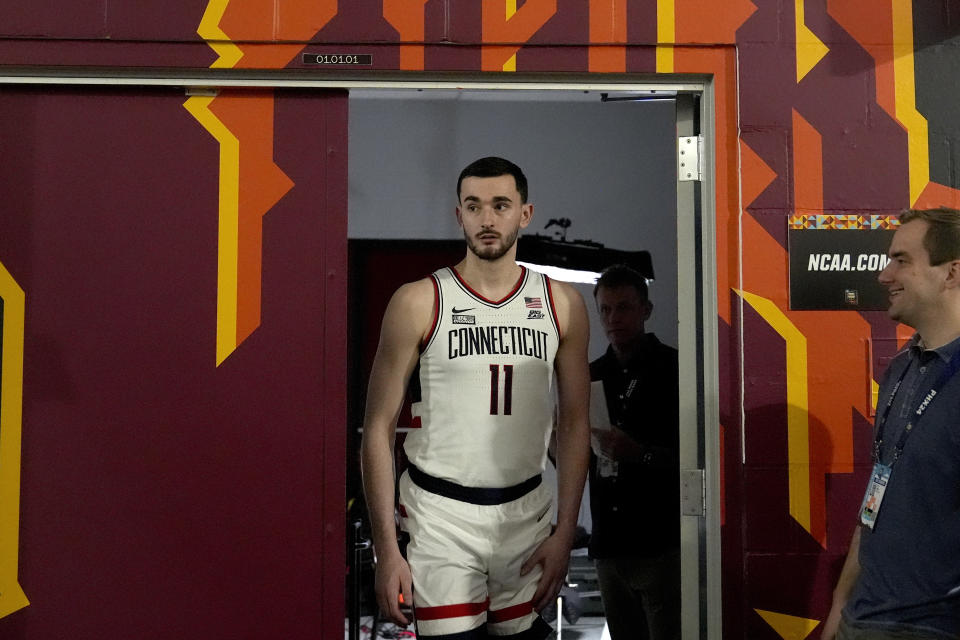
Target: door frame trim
{"points": [[260, 78]]}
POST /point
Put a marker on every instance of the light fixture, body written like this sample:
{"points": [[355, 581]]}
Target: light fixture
{"points": [[576, 260], [564, 275]]}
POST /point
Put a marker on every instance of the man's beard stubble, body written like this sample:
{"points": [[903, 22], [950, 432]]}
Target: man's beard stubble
{"points": [[494, 252]]}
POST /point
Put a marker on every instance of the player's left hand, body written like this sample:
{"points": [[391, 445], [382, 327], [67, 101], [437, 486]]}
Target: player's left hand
{"points": [[553, 556]]}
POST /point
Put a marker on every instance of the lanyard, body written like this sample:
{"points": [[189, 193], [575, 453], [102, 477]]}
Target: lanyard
{"points": [[952, 367]]}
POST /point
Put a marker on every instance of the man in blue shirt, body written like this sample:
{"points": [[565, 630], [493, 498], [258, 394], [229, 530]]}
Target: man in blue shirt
{"points": [[901, 578]]}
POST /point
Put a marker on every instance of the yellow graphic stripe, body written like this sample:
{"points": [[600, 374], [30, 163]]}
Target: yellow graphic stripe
{"points": [[905, 90], [666, 35], [511, 8], [227, 232], [217, 40], [810, 49], [12, 597], [229, 200], [787, 626], [798, 427]]}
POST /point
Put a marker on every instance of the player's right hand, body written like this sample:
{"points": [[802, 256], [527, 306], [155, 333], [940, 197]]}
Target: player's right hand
{"points": [[393, 582]]}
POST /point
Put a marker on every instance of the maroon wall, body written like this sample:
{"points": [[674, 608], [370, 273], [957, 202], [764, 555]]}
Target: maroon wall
{"points": [[163, 496]]}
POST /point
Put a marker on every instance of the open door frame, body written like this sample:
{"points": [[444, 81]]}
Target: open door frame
{"points": [[697, 343]]}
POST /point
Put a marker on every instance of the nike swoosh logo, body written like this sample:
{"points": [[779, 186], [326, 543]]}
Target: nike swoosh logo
{"points": [[455, 310]]}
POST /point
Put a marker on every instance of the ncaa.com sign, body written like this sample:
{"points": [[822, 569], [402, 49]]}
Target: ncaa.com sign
{"points": [[834, 269]]}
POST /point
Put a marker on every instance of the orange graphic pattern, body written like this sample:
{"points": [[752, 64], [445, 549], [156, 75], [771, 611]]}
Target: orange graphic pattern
{"points": [[807, 166], [262, 29], [251, 35], [871, 24], [407, 17], [831, 359], [710, 21], [508, 27], [608, 27], [878, 27], [261, 185]]}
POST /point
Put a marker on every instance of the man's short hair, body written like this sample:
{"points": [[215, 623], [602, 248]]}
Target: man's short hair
{"points": [[492, 167], [942, 239], [620, 275]]}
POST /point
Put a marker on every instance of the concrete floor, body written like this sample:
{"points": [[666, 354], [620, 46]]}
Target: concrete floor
{"points": [[586, 628]]}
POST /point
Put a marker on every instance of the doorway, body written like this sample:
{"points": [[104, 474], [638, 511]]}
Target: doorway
{"points": [[604, 159]]}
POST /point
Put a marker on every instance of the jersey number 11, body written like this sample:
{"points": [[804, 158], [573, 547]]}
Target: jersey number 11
{"points": [[495, 389]]}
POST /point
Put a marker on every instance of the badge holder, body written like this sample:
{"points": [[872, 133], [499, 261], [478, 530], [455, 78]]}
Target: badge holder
{"points": [[874, 495]]}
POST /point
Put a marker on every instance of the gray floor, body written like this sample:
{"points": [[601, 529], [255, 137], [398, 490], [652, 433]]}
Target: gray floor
{"points": [[586, 628]]}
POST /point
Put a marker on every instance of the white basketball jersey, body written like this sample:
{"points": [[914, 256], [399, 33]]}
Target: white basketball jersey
{"points": [[483, 393]]}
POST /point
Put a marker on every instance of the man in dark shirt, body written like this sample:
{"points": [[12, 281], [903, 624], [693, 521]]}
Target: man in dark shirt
{"points": [[901, 578], [634, 470]]}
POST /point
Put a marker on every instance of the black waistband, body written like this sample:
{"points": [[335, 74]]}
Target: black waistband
{"points": [[473, 495]]}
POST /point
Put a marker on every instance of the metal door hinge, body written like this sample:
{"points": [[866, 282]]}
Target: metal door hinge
{"points": [[693, 492], [689, 152]]}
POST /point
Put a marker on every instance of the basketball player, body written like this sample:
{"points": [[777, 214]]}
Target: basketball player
{"points": [[480, 343]]}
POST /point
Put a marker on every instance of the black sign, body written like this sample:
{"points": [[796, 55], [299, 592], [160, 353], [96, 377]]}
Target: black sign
{"points": [[338, 59], [838, 268]]}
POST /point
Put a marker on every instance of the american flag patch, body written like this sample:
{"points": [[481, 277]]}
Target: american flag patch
{"points": [[533, 303]]}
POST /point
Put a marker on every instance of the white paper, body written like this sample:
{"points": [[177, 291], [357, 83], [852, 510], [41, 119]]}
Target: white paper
{"points": [[599, 414]]}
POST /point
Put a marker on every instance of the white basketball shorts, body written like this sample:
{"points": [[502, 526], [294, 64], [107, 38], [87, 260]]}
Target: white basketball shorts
{"points": [[465, 559]]}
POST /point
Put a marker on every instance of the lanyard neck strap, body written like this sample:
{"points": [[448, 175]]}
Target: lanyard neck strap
{"points": [[948, 372]]}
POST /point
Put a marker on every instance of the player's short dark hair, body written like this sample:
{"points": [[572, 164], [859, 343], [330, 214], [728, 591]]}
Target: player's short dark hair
{"points": [[492, 167], [942, 239], [620, 275]]}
